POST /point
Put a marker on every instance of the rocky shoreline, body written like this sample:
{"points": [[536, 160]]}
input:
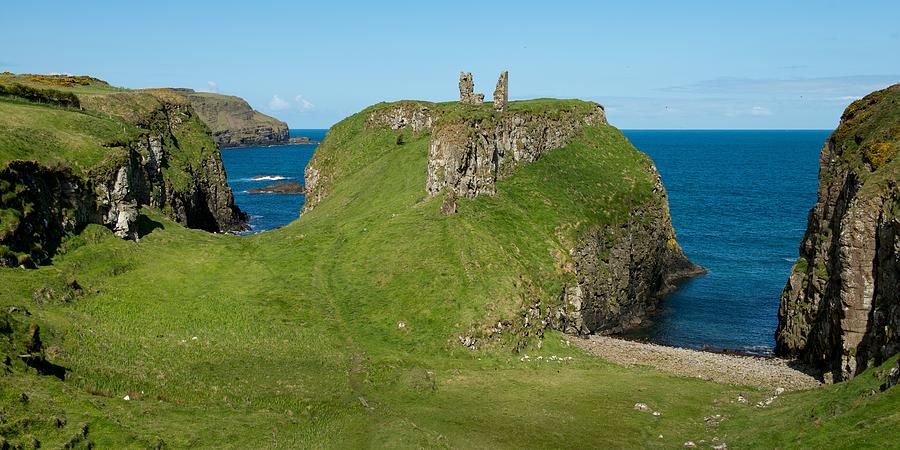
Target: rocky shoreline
{"points": [[744, 370]]}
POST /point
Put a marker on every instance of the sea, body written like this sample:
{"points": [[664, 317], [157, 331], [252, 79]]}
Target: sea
{"points": [[739, 201], [258, 167]]}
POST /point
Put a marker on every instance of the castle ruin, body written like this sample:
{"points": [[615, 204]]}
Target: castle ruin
{"points": [[501, 94], [467, 95]]}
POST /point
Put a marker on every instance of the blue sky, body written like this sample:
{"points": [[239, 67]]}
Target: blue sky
{"points": [[667, 64]]}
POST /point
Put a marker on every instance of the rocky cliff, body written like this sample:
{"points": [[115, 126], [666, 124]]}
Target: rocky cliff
{"points": [[163, 157], [612, 277], [621, 273], [840, 309], [469, 153], [234, 123]]}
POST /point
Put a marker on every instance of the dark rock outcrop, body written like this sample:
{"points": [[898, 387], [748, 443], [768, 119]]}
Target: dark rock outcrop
{"points": [[622, 273], [301, 140], [49, 203], [290, 187], [840, 309]]}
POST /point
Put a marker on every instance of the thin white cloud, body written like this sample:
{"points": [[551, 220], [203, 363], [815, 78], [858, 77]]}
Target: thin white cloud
{"points": [[278, 104], [211, 86], [304, 104], [855, 85], [760, 111]]}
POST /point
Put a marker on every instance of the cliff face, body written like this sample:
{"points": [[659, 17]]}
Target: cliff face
{"points": [[468, 154], [622, 273], [204, 202], [611, 277], [840, 309], [234, 123], [169, 163]]}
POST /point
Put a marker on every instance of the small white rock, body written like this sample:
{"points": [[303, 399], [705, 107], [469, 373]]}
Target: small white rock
{"points": [[401, 325], [690, 444], [641, 407], [194, 338], [657, 413], [126, 398], [779, 391]]}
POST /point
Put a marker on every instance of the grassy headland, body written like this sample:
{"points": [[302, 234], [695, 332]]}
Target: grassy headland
{"points": [[340, 330]]}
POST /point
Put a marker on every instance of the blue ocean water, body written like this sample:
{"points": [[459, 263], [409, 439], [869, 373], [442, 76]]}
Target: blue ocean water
{"points": [[256, 167], [739, 201]]}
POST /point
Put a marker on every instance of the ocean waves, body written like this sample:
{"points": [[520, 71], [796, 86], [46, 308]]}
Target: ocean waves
{"points": [[266, 178]]}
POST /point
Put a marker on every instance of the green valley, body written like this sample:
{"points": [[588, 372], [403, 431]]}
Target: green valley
{"points": [[387, 315]]}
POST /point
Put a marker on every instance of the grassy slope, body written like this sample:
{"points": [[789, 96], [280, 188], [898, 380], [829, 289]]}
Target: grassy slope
{"points": [[293, 326], [92, 138], [55, 135]]}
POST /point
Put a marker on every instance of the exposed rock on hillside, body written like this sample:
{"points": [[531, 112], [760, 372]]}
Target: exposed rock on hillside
{"points": [[205, 201], [171, 164], [468, 154], [622, 273], [50, 202], [234, 123], [840, 309], [415, 116]]}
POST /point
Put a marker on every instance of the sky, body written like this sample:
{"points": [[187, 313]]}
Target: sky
{"points": [[664, 65]]}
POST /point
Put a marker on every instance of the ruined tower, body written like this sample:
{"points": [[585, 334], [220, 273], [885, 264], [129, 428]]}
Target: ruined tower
{"points": [[501, 94], [467, 95]]}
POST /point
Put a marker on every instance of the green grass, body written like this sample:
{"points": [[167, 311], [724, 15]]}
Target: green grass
{"points": [[868, 139], [53, 135], [95, 137], [271, 340], [60, 83]]}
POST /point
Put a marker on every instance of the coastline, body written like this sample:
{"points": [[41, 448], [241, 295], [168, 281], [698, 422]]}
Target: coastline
{"points": [[763, 372]]}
